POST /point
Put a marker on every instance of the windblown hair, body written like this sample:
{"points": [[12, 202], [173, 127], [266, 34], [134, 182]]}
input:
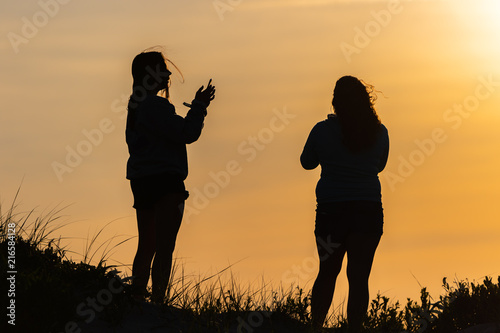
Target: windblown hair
{"points": [[144, 67], [140, 73], [353, 105]]}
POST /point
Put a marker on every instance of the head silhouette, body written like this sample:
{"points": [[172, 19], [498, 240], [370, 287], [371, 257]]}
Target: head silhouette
{"points": [[150, 74], [353, 104]]}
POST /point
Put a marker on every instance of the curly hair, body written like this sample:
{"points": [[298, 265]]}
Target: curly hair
{"points": [[353, 105]]}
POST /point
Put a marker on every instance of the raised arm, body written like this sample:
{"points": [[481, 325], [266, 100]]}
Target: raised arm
{"points": [[165, 123]]}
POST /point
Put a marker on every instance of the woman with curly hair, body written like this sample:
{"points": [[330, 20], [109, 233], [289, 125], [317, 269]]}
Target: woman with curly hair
{"points": [[352, 147]]}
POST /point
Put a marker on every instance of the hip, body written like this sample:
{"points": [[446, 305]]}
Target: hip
{"points": [[339, 219]]}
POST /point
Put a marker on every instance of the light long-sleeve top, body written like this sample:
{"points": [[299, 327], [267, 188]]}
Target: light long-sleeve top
{"points": [[345, 175], [156, 137]]}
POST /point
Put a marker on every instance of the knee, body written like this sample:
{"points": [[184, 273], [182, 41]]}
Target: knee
{"points": [[166, 246], [146, 247], [357, 277], [329, 272]]}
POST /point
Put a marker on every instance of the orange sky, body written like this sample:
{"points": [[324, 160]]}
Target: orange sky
{"points": [[66, 78]]}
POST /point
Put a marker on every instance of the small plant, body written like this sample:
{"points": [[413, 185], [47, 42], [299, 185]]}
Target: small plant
{"points": [[468, 304], [38, 232], [49, 287], [384, 316]]}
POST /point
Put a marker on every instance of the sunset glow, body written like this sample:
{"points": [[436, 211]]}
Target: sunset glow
{"points": [[436, 64]]}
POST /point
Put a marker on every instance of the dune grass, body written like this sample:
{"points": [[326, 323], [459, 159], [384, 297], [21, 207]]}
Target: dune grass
{"points": [[53, 292]]}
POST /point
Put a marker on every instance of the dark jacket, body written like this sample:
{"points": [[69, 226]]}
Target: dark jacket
{"points": [[345, 175], [156, 137]]}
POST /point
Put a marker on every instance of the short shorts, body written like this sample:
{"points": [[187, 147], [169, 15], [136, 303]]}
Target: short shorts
{"points": [[336, 220], [148, 190]]}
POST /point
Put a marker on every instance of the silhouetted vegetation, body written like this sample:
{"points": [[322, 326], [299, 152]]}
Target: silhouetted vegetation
{"points": [[52, 291]]}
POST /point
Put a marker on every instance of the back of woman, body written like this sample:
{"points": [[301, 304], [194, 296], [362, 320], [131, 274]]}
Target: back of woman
{"points": [[352, 147], [345, 174]]}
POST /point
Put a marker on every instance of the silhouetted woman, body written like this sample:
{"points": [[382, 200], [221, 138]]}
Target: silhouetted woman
{"points": [[352, 147], [157, 167]]}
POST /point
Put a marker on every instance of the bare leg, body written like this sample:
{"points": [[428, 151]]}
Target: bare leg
{"points": [[322, 293], [145, 251], [360, 253], [168, 216]]}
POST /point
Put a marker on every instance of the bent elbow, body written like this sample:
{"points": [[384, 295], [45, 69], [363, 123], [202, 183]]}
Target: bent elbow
{"points": [[191, 136], [308, 167], [190, 139], [307, 164]]}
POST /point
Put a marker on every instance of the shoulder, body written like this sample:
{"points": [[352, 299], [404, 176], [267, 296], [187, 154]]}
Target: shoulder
{"points": [[160, 102], [327, 123], [326, 127], [384, 132], [383, 137], [157, 103], [317, 130]]}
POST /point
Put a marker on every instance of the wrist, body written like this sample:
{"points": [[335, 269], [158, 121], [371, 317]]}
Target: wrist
{"points": [[199, 103]]}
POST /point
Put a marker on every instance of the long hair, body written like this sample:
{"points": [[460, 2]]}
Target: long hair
{"points": [[148, 73], [353, 105]]}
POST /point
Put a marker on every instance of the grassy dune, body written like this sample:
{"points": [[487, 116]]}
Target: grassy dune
{"points": [[55, 294]]}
